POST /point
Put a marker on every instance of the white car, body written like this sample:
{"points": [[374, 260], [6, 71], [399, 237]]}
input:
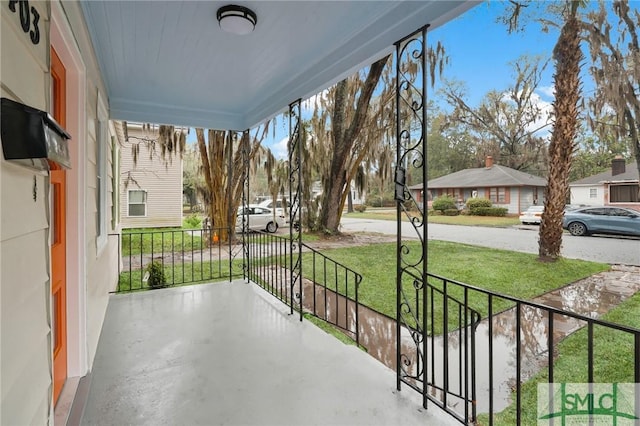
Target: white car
{"points": [[259, 218], [279, 208], [532, 216]]}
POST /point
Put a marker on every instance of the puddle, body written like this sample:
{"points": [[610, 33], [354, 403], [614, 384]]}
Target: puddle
{"points": [[590, 297]]}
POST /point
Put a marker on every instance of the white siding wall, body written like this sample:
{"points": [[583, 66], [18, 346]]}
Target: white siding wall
{"points": [[582, 195], [162, 180], [25, 313], [25, 349], [513, 207], [102, 262], [527, 198]]}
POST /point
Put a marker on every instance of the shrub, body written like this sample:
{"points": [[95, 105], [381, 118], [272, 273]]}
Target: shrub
{"points": [[156, 275], [451, 212], [193, 221], [360, 208], [489, 211], [474, 203], [444, 203]]}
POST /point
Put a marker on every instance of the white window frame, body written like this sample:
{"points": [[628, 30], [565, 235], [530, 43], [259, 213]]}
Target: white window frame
{"points": [[145, 203], [103, 146], [593, 192], [115, 181]]}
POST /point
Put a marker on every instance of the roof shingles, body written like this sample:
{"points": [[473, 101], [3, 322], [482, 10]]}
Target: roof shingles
{"points": [[485, 177], [630, 174]]}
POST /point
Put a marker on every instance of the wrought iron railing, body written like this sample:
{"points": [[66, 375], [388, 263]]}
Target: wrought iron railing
{"points": [[517, 346], [329, 288], [437, 345], [183, 256], [334, 289]]}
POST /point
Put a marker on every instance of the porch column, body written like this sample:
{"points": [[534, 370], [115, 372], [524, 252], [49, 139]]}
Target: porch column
{"points": [[295, 199], [411, 267], [244, 146]]}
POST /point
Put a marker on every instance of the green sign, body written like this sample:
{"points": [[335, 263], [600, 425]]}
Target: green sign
{"points": [[588, 403]]}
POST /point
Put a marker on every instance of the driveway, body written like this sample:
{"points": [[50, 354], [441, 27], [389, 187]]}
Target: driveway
{"points": [[606, 249]]}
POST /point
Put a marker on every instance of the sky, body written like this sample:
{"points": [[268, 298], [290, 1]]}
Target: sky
{"points": [[479, 50]]}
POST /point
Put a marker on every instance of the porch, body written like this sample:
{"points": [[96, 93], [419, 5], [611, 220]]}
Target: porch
{"points": [[230, 353]]}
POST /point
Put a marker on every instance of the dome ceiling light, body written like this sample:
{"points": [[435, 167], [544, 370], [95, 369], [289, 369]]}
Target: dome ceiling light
{"points": [[236, 19]]}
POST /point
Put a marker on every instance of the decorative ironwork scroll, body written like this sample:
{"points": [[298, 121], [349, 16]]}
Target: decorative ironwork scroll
{"points": [[295, 207], [411, 97], [245, 147], [435, 328]]}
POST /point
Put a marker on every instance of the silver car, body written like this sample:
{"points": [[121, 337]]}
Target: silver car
{"points": [[602, 220], [259, 218]]}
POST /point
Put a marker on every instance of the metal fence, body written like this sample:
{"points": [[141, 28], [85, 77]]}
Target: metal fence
{"points": [[183, 256], [329, 289], [495, 364]]}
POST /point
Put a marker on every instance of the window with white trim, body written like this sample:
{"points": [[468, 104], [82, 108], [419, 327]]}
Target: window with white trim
{"points": [[593, 192], [137, 203], [103, 147], [115, 183]]}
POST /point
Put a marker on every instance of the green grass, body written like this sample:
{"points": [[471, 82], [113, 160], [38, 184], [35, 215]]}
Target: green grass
{"points": [[613, 361], [330, 329], [154, 240], [511, 273], [189, 273], [465, 220]]}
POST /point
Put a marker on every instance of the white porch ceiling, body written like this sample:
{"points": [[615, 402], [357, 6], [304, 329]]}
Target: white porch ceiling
{"points": [[169, 62]]}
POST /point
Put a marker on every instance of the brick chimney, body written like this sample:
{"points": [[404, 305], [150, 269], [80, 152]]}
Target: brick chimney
{"points": [[617, 166], [488, 163]]}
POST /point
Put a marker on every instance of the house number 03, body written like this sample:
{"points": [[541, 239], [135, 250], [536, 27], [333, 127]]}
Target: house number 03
{"points": [[28, 16]]}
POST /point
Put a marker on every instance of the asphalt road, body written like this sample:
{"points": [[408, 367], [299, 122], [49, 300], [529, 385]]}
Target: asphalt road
{"points": [[606, 249]]}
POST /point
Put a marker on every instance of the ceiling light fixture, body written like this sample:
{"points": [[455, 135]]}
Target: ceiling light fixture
{"points": [[236, 19]]}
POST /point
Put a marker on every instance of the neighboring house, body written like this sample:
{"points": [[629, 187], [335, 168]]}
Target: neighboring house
{"points": [[59, 260], [151, 186], [505, 187], [615, 187]]}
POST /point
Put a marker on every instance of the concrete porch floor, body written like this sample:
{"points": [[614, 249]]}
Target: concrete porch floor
{"points": [[229, 353]]}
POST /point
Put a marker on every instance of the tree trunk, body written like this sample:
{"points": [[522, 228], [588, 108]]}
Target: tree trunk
{"points": [[224, 184], [567, 85], [349, 200], [344, 135]]}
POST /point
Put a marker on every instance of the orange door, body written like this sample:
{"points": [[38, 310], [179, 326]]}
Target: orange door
{"points": [[58, 238]]}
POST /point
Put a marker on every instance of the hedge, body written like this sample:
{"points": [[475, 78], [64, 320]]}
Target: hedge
{"points": [[489, 211]]}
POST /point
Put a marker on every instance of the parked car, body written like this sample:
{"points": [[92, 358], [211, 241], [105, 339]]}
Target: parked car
{"points": [[532, 216], [279, 207], [259, 218], [602, 220]]}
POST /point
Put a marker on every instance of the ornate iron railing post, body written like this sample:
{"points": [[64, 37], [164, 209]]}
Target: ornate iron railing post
{"points": [[233, 138], [411, 272], [295, 210], [244, 146]]}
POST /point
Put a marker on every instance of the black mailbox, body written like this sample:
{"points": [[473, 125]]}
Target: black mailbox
{"points": [[32, 137]]}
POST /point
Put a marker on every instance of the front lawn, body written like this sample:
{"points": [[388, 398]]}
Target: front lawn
{"points": [[516, 274], [160, 240]]}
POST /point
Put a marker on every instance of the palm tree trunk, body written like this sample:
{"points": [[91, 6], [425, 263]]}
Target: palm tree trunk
{"points": [[567, 85]]}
